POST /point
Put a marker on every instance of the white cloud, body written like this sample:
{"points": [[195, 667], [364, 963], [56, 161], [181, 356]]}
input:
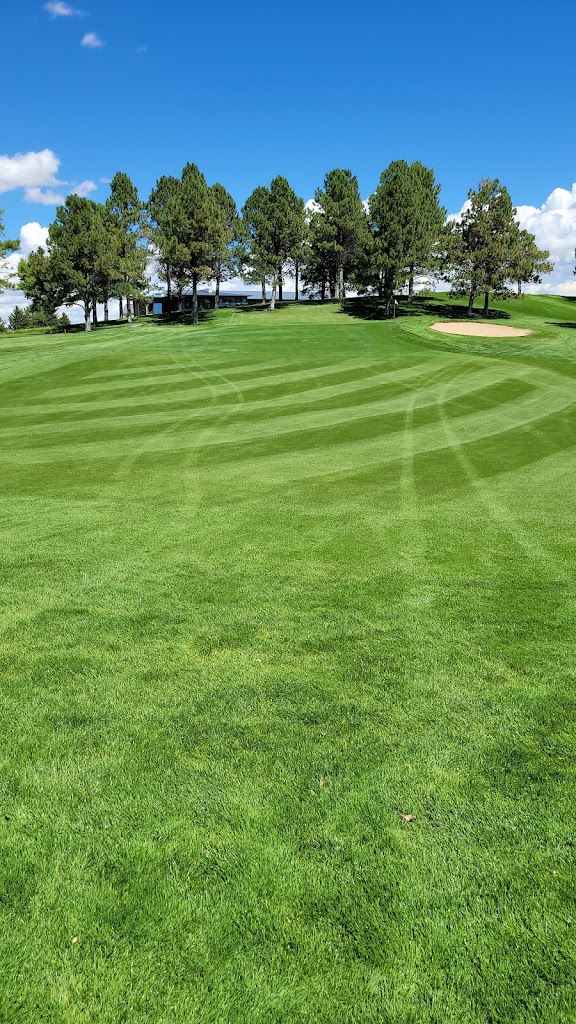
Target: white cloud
{"points": [[32, 236], [58, 9], [92, 40], [28, 170], [46, 197], [84, 188], [554, 226]]}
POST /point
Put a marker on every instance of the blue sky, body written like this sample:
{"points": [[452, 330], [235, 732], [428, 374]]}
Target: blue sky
{"points": [[248, 93]]}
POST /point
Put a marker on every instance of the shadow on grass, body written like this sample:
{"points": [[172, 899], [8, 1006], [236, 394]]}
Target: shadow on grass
{"points": [[552, 324], [178, 319], [375, 309]]}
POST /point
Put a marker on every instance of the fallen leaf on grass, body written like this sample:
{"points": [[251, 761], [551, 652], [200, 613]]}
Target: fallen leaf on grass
{"points": [[408, 817], [322, 783], [74, 939]]}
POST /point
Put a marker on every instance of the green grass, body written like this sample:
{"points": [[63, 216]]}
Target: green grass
{"points": [[267, 585]]}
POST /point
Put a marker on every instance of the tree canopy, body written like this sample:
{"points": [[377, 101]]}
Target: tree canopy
{"points": [[195, 233]]}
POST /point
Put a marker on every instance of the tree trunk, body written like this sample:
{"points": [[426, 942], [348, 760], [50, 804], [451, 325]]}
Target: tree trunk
{"points": [[411, 285], [519, 289], [341, 286], [168, 291], [94, 312], [194, 298], [264, 291], [389, 292], [279, 284], [87, 319], [486, 301], [129, 310], [471, 303], [106, 310], [296, 267], [217, 295], [273, 295], [323, 289], [120, 309]]}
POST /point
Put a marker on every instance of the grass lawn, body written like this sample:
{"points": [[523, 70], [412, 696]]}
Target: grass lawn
{"points": [[268, 585]]}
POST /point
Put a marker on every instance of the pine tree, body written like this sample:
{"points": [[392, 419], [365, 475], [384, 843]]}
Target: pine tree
{"points": [[527, 262], [341, 227], [482, 244], [79, 253], [128, 260], [162, 209], [427, 219], [17, 319], [37, 281], [225, 257], [197, 229], [275, 220]]}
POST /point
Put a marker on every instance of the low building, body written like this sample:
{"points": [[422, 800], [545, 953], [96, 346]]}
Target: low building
{"points": [[158, 305]]}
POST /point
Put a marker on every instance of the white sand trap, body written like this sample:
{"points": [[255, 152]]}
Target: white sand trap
{"points": [[480, 330]]}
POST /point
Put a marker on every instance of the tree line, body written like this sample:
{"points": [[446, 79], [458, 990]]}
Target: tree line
{"points": [[195, 233]]}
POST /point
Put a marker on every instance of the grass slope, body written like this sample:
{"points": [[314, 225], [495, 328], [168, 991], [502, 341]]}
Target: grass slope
{"points": [[268, 585]]}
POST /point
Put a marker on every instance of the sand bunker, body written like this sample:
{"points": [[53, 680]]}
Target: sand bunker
{"points": [[480, 330]]}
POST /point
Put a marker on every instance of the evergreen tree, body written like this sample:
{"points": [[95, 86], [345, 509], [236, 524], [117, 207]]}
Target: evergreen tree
{"points": [[38, 283], [406, 223], [527, 262], [79, 253], [391, 211], [198, 228], [482, 244], [319, 267], [340, 228], [256, 216], [17, 319], [128, 263], [226, 255], [275, 220], [427, 219], [162, 211]]}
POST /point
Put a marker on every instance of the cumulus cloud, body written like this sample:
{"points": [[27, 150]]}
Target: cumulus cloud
{"points": [[554, 226], [92, 40], [58, 9], [84, 188], [32, 236], [28, 170], [46, 197], [36, 173]]}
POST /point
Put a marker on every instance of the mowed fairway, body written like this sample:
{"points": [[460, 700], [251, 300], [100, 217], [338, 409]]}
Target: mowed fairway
{"points": [[268, 585]]}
